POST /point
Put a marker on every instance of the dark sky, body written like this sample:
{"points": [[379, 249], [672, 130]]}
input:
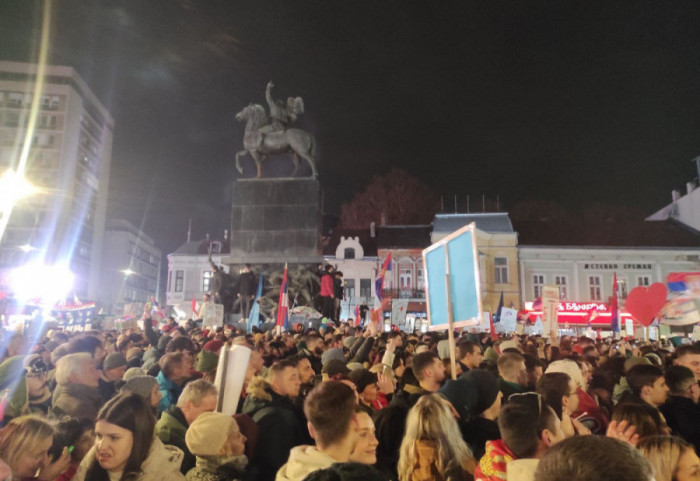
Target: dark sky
{"points": [[578, 102]]}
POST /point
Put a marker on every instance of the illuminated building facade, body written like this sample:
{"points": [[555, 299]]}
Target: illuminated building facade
{"points": [[69, 160]]}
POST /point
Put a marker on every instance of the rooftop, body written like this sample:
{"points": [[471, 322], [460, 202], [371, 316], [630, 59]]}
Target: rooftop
{"points": [[493, 222], [404, 236]]}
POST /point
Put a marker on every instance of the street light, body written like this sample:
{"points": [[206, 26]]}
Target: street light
{"points": [[127, 272], [27, 248], [14, 187]]}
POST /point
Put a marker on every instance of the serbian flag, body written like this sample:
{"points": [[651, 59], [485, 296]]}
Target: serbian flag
{"points": [[157, 310], [615, 316], [358, 319], [379, 283], [194, 307], [494, 336], [283, 305]]}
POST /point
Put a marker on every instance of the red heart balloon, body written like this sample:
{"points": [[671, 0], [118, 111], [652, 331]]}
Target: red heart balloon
{"points": [[645, 303]]}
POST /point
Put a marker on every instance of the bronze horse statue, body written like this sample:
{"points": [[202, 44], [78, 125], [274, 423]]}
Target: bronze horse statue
{"points": [[299, 143]]}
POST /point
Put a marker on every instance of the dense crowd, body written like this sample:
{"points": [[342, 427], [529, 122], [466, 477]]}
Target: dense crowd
{"points": [[346, 403]]}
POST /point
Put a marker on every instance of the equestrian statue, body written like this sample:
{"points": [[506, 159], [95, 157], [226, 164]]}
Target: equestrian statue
{"points": [[263, 138]]}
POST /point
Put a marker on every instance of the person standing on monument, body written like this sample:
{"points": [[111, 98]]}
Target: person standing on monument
{"points": [[327, 292], [246, 290], [339, 293]]}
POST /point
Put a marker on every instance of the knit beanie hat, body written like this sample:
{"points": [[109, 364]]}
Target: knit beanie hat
{"points": [[490, 355], [334, 366], [461, 393], [333, 353], [133, 372], [362, 378], [113, 361], [141, 385], [207, 361], [635, 361], [567, 366], [213, 346], [208, 433], [486, 386], [348, 342]]}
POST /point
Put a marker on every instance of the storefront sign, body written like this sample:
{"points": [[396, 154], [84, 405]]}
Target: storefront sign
{"points": [[616, 266]]}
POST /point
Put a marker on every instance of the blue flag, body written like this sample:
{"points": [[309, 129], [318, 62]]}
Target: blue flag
{"points": [[254, 318], [497, 317]]}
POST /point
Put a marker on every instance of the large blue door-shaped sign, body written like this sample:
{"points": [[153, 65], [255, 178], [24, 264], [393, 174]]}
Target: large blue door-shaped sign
{"points": [[459, 249]]}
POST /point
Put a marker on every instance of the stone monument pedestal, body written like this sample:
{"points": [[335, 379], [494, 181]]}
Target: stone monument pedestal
{"points": [[274, 221]]}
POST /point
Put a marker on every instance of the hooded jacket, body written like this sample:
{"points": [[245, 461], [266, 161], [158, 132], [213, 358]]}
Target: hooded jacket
{"points": [[171, 429], [276, 415], [303, 460], [161, 464], [77, 400], [218, 468], [12, 378]]}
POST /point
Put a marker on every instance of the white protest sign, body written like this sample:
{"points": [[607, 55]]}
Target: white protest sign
{"points": [[213, 315], [230, 375], [550, 308], [508, 320]]}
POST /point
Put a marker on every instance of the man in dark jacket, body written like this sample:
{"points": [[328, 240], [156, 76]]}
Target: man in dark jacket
{"points": [[198, 397], [269, 404], [246, 290], [681, 410], [647, 388]]}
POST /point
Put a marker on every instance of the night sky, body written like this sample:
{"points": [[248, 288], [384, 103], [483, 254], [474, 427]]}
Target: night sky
{"points": [[577, 102]]}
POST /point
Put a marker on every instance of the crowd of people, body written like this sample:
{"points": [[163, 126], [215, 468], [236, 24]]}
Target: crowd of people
{"points": [[346, 403]]}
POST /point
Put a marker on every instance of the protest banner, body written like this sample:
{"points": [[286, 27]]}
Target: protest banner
{"points": [[550, 308], [230, 375]]}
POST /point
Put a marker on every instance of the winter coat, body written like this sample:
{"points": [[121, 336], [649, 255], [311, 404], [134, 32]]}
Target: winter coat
{"points": [[327, 285], [169, 390], [12, 377], [277, 419], [595, 419], [246, 284], [683, 417], [425, 463], [303, 460], [76, 400], [171, 429], [477, 432], [218, 468], [161, 464]]}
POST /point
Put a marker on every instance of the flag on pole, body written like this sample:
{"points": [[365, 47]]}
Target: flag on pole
{"points": [[379, 283], [254, 318], [194, 307], [283, 305], [358, 319], [497, 317], [494, 336], [614, 309], [157, 310]]}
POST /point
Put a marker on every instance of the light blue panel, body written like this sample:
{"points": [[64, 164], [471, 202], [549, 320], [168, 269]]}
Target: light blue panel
{"points": [[463, 274], [435, 267]]}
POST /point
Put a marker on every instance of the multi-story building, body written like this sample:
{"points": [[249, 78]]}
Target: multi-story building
{"points": [[69, 159], [130, 272], [190, 273], [683, 208], [497, 244], [354, 253], [582, 260]]}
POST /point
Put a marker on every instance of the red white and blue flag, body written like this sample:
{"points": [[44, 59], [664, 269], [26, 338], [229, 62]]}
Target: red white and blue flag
{"points": [[157, 310], [379, 283], [283, 305]]}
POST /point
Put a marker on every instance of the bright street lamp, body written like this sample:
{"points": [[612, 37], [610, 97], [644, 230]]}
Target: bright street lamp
{"points": [[127, 272], [14, 187]]}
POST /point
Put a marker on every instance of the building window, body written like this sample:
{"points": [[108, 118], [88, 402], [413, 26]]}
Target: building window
{"points": [[622, 288], [500, 265], [349, 289], [537, 285], [206, 280], [366, 288], [595, 285], [405, 278], [215, 247], [179, 280], [643, 281], [349, 253], [563, 286], [170, 281], [419, 279]]}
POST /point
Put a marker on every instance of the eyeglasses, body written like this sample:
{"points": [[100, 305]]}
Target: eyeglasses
{"points": [[528, 395]]}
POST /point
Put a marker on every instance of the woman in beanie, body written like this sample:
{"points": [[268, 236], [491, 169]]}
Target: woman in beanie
{"points": [[145, 386], [219, 445], [126, 448]]}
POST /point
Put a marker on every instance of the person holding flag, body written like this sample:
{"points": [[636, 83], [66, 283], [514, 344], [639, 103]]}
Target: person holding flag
{"points": [[283, 305], [379, 283], [254, 318]]}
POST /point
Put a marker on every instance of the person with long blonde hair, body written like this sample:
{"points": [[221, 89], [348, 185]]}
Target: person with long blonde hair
{"points": [[672, 458], [433, 448]]}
